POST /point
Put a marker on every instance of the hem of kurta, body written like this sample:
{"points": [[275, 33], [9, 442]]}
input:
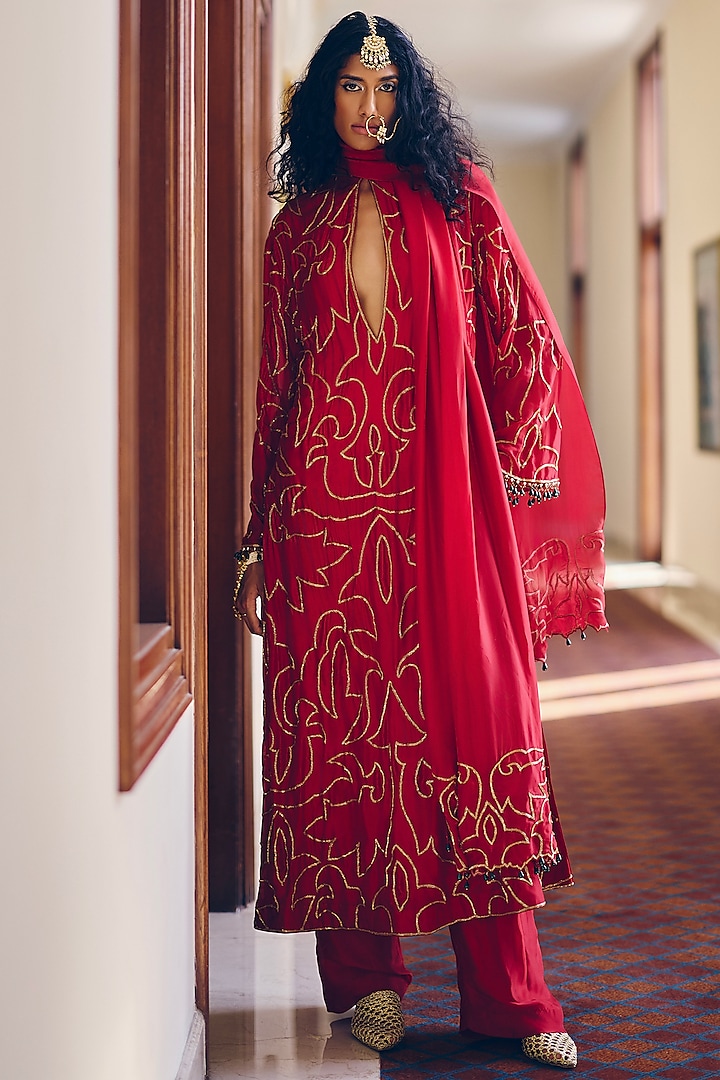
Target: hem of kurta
{"points": [[311, 926], [404, 933]]}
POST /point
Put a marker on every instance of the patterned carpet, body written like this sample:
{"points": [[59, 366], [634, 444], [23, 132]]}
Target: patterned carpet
{"points": [[633, 951]]}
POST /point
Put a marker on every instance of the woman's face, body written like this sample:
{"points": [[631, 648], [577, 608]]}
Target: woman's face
{"points": [[359, 93]]}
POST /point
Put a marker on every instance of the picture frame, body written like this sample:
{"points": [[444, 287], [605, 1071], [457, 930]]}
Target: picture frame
{"points": [[707, 322]]}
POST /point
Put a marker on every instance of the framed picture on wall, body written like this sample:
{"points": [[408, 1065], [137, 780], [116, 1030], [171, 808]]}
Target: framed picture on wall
{"points": [[707, 319]]}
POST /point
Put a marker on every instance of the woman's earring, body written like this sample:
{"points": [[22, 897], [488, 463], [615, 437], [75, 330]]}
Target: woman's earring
{"points": [[382, 132]]}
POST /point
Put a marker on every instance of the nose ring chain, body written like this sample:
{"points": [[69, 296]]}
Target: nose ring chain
{"points": [[382, 132]]}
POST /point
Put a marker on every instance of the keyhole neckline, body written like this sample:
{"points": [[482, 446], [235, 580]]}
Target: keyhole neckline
{"points": [[376, 337]]}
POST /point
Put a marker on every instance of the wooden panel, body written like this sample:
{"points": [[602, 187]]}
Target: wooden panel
{"points": [[128, 244], [158, 353], [651, 187], [238, 215], [163, 399], [197, 37], [225, 763], [650, 449], [155, 330]]}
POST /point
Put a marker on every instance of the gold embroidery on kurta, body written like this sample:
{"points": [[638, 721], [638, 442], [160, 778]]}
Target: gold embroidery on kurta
{"points": [[346, 764]]}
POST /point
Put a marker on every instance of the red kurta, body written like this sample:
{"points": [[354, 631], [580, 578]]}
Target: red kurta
{"points": [[405, 779]]}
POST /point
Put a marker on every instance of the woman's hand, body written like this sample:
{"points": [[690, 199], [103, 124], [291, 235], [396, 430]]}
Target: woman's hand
{"points": [[253, 586]]}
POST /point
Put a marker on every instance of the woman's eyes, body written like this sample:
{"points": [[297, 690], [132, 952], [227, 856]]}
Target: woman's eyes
{"points": [[385, 88]]}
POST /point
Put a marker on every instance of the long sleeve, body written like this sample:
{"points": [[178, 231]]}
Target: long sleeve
{"points": [[544, 440], [519, 362], [278, 368]]}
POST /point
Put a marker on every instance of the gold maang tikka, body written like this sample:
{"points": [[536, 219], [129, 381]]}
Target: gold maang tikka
{"points": [[374, 52]]}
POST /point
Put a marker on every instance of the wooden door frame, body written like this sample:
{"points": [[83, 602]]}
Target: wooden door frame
{"points": [[650, 457], [162, 95], [651, 200], [202, 935], [239, 80]]}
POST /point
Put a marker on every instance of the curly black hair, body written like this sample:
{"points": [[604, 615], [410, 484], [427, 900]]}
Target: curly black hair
{"points": [[307, 154]]}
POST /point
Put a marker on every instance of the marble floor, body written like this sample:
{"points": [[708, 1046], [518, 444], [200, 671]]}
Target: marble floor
{"points": [[267, 1017]]}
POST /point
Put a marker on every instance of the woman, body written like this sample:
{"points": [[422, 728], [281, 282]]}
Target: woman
{"points": [[410, 550]]}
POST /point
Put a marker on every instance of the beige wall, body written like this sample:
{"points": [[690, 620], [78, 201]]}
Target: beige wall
{"points": [[533, 195], [611, 370], [692, 518], [691, 534], [96, 908], [297, 29]]}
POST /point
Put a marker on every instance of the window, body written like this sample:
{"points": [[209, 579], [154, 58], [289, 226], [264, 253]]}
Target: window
{"points": [[161, 301]]}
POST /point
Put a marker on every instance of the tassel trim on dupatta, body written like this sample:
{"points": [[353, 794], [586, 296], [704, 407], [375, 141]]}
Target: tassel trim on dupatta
{"points": [[536, 490]]}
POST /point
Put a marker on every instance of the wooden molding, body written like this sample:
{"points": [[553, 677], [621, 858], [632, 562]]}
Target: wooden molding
{"points": [[128, 199], [650, 208], [163, 659], [199, 542], [239, 124], [160, 235]]}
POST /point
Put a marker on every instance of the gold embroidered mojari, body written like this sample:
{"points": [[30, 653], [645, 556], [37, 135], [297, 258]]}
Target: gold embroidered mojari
{"points": [[551, 1048]]}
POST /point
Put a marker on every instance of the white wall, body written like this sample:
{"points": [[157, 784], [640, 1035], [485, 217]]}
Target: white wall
{"points": [[96, 908], [294, 39], [611, 370], [692, 518]]}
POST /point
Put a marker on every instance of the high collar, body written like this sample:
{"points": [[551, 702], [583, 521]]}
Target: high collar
{"points": [[369, 164]]}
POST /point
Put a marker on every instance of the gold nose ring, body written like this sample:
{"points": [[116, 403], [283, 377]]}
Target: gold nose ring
{"points": [[382, 132]]}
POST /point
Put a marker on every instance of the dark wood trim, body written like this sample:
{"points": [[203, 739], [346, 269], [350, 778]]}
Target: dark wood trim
{"points": [[650, 501], [158, 353], [200, 605], [128, 240], [163, 663], [161, 690], [248, 346], [225, 763], [239, 120]]}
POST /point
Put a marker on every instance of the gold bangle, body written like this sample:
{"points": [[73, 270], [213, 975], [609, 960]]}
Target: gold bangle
{"points": [[245, 557]]}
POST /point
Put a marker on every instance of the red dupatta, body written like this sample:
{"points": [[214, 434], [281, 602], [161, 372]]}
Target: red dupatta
{"points": [[477, 591], [560, 540]]}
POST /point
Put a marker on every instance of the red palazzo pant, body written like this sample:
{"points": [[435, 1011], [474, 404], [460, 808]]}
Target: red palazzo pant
{"points": [[499, 971]]}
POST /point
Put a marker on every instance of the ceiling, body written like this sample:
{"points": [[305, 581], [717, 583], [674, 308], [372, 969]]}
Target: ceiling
{"points": [[526, 72]]}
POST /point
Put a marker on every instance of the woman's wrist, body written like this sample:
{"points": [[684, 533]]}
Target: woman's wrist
{"points": [[245, 557]]}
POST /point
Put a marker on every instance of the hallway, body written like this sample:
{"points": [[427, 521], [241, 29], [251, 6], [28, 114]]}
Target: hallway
{"points": [[632, 721], [134, 212]]}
